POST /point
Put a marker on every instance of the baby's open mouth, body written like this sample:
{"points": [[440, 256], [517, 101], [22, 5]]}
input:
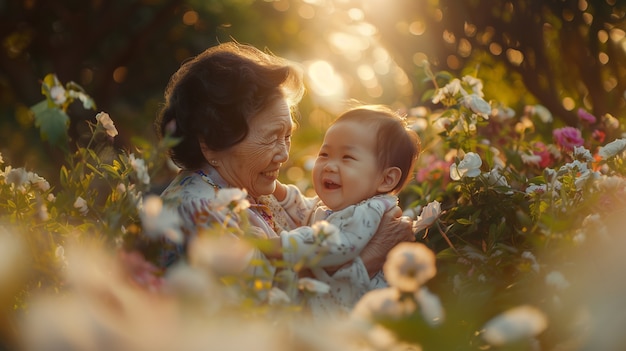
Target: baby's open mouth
{"points": [[331, 185]]}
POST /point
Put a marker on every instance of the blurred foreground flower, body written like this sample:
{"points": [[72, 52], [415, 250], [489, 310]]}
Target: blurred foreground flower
{"points": [[518, 323], [409, 266], [313, 286], [158, 220]]}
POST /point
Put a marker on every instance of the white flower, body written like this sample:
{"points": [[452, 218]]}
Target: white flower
{"points": [[57, 93], [468, 167], [105, 120], [1, 159], [557, 280], [515, 324], [158, 220], [584, 176], [81, 205], [475, 83], [611, 149], [38, 181], [16, 176], [430, 306], [313, 286], [478, 105], [231, 198], [383, 303], [582, 154], [409, 265], [428, 216], [536, 188], [448, 91], [494, 178], [139, 165], [88, 102], [543, 113], [533, 261], [533, 160]]}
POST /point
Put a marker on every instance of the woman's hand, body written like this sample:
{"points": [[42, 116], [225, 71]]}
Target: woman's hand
{"points": [[393, 230]]}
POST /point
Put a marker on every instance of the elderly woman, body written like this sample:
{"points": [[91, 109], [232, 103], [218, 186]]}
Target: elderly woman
{"points": [[232, 108]]}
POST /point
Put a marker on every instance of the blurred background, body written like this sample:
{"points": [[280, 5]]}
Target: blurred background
{"points": [[562, 54]]}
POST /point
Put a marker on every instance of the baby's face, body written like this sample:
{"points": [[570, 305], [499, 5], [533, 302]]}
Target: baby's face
{"points": [[346, 170]]}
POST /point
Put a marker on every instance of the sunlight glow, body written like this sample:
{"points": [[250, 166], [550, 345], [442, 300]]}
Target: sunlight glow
{"points": [[417, 28], [465, 48], [495, 48], [568, 103], [356, 14], [516, 57], [349, 45], [324, 80], [617, 34], [609, 84], [365, 73], [119, 74], [306, 11], [419, 59], [190, 18], [603, 58]]}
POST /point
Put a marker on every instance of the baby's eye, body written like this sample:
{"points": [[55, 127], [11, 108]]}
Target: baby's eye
{"points": [[348, 157], [322, 154]]}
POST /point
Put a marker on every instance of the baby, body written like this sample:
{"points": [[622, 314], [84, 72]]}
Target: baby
{"points": [[366, 158]]}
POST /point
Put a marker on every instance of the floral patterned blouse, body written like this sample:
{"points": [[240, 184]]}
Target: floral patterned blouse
{"points": [[194, 195]]}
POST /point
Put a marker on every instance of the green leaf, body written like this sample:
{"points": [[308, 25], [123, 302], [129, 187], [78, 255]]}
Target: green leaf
{"points": [[464, 221], [53, 123]]}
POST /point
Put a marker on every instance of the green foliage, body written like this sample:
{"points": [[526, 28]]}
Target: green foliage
{"points": [[514, 214]]}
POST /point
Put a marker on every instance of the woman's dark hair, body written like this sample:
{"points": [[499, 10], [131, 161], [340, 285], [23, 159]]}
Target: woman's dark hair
{"points": [[212, 97], [397, 144]]}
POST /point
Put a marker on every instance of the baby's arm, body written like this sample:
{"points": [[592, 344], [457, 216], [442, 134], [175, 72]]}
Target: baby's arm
{"points": [[356, 225], [297, 206]]}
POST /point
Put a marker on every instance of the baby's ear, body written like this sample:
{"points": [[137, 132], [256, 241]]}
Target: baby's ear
{"points": [[391, 177]]}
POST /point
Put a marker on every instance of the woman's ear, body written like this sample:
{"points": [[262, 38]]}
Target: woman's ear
{"points": [[391, 177], [206, 152]]}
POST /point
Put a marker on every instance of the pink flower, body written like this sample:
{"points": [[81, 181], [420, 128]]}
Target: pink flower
{"points": [[568, 138], [431, 169], [541, 150], [140, 271], [586, 116]]}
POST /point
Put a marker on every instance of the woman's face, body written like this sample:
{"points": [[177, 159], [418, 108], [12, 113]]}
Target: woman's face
{"points": [[253, 164]]}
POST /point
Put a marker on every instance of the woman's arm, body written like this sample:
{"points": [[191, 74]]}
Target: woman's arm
{"points": [[393, 230]]}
